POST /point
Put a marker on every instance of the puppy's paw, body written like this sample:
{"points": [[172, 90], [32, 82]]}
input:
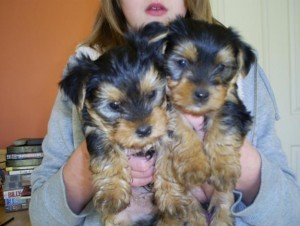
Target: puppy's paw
{"points": [[175, 206], [223, 180], [111, 201], [194, 173], [221, 218]]}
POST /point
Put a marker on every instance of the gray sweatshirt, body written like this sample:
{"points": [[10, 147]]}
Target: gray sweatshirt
{"points": [[278, 200]]}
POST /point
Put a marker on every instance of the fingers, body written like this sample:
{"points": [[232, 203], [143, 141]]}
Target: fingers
{"points": [[140, 179], [204, 193], [142, 170]]}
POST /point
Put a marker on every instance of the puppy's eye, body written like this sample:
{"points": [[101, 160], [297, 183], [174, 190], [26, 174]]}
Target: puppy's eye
{"points": [[151, 95], [182, 63], [219, 68], [115, 106]]}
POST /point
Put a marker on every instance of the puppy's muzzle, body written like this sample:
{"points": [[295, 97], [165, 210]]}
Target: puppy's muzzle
{"points": [[144, 131], [201, 95]]}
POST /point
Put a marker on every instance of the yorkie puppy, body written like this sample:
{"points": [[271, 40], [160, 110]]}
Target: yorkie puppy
{"points": [[122, 102], [203, 63]]}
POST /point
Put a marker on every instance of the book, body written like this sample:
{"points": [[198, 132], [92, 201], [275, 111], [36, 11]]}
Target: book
{"points": [[12, 149], [26, 192], [16, 181], [28, 141], [12, 182], [17, 199], [14, 168], [20, 172], [23, 162], [25, 155], [25, 180], [14, 201], [12, 193], [18, 207]]}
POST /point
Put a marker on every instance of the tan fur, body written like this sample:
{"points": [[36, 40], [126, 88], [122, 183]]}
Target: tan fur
{"points": [[150, 80], [181, 166], [125, 132], [187, 51], [109, 92], [225, 56], [111, 180], [182, 99], [217, 158]]}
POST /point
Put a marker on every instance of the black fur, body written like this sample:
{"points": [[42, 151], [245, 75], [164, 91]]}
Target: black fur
{"points": [[202, 63], [122, 69], [210, 38]]}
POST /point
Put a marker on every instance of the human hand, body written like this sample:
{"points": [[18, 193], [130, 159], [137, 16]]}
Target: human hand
{"points": [[142, 170], [204, 193], [248, 183], [77, 179], [250, 179]]}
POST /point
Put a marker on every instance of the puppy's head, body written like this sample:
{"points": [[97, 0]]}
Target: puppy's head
{"points": [[122, 93], [203, 62]]}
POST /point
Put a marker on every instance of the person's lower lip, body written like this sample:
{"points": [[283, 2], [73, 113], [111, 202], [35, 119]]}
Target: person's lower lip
{"points": [[156, 10]]}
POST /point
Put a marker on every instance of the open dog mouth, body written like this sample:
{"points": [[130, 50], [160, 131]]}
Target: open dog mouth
{"points": [[147, 152]]}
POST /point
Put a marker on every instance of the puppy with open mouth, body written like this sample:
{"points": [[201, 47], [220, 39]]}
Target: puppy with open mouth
{"points": [[122, 102]]}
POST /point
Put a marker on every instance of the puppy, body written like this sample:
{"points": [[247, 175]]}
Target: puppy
{"points": [[122, 102], [203, 63]]}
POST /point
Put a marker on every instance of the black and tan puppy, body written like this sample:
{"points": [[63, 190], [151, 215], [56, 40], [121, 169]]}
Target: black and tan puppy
{"points": [[122, 102], [124, 111], [203, 62]]}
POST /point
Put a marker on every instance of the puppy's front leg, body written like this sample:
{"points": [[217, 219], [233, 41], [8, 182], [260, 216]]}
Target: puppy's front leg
{"points": [[220, 205], [181, 165], [176, 204], [190, 161], [111, 182], [170, 196], [222, 147]]}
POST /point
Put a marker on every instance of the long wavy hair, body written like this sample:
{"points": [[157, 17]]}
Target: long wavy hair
{"points": [[110, 24]]}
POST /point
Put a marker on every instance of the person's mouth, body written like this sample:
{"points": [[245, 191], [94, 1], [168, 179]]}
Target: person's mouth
{"points": [[156, 9]]}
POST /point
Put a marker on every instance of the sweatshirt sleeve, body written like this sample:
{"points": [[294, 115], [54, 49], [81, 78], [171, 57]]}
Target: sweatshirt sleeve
{"points": [[48, 205], [278, 200]]}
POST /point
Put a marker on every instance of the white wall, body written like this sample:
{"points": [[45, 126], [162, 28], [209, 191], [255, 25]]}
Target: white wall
{"points": [[272, 27]]}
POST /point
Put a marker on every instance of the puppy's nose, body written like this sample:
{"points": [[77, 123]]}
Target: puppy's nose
{"points": [[201, 95], [144, 131]]}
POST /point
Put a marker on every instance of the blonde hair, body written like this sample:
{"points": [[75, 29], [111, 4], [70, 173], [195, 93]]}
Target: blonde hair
{"points": [[110, 23]]}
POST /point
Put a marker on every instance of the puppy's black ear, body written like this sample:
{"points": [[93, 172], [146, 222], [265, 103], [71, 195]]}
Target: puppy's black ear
{"points": [[148, 42], [182, 28], [149, 38], [248, 57], [155, 33], [246, 54], [78, 74]]}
